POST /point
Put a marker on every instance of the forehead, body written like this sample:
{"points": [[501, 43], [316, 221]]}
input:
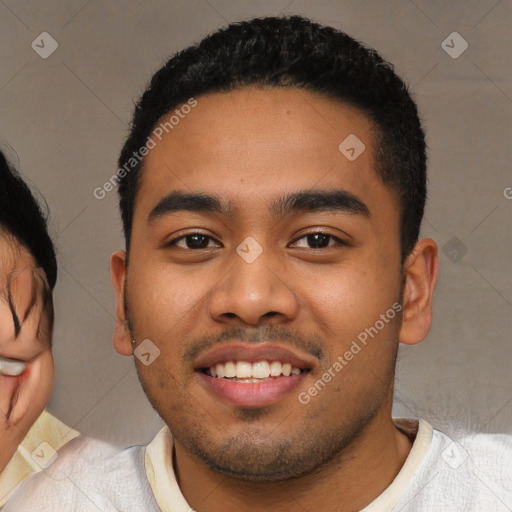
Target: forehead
{"points": [[13, 255], [250, 144]]}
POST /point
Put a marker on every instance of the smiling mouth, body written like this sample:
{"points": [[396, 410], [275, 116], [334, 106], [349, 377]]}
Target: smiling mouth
{"points": [[253, 375], [246, 372], [11, 367]]}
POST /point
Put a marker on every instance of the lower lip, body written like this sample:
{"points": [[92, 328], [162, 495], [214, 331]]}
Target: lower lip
{"points": [[12, 379], [252, 394]]}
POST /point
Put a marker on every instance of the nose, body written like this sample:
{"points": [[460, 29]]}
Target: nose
{"points": [[253, 293]]}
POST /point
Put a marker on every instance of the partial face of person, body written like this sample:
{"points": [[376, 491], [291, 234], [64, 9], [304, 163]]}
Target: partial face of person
{"points": [[26, 363], [262, 255]]}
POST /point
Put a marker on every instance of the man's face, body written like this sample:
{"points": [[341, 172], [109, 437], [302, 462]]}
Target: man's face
{"points": [[266, 278]]}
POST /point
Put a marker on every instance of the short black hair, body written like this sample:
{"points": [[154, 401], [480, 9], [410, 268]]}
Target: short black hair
{"points": [[292, 51], [22, 217]]}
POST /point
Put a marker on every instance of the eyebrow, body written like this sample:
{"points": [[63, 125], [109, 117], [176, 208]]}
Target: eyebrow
{"points": [[308, 201], [181, 201], [311, 201]]}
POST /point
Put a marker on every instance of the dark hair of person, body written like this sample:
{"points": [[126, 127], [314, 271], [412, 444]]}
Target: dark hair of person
{"points": [[293, 52], [22, 217]]}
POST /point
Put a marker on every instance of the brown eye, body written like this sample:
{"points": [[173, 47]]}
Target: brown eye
{"points": [[194, 241], [317, 241]]}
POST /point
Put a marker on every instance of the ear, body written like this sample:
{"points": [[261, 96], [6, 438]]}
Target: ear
{"points": [[122, 338], [420, 276]]}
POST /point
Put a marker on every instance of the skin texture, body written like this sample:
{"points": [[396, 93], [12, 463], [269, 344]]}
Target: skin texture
{"points": [[22, 398], [250, 147]]}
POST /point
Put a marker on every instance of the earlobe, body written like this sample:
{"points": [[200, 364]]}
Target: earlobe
{"points": [[121, 336], [420, 276]]}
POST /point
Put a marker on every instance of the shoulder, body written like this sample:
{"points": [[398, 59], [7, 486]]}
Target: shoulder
{"points": [[491, 453], [486, 460], [37, 450], [91, 474], [469, 472]]}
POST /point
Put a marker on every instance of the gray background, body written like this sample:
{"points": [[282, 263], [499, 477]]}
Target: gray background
{"points": [[66, 116]]}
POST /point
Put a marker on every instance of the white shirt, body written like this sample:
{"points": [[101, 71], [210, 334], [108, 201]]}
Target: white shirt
{"points": [[36, 451], [473, 474]]}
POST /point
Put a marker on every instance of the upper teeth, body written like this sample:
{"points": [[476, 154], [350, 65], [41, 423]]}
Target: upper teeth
{"points": [[11, 367], [258, 370]]}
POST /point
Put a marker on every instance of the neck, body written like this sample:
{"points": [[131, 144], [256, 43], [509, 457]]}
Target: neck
{"points": [[346, 484]]}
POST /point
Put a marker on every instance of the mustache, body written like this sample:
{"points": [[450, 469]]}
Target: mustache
{"points": [[308, 343]]}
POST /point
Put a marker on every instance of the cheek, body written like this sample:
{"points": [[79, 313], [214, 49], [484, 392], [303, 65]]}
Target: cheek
{"points": [[6, 322], [43, 373], [164, 383], [349, 298], [162, 300], [35, 387], [167, 307], [347, 305]]}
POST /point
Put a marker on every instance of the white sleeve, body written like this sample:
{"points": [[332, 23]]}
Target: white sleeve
{"points": [[88, 476]]}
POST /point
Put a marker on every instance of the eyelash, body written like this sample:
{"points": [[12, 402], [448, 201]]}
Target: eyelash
{"points": [[337, 240]]}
